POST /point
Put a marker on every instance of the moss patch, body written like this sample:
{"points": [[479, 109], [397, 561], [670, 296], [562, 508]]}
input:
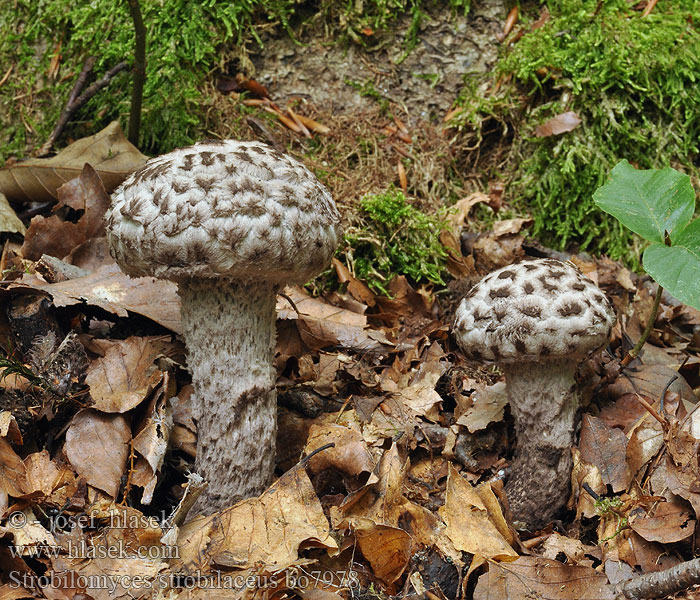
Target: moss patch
{"points": [[633, 82]]}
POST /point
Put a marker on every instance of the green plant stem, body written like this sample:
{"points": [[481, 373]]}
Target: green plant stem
{"points": [[139, 72], [634, 353]]}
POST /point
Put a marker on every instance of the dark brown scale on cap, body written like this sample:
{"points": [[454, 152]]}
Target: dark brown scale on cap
{"points": [[520, 346], [187, 162], [570, 308], [531, 311], [504, 292], [506, 275], [207, 158], [550, 287], [528, 288]]}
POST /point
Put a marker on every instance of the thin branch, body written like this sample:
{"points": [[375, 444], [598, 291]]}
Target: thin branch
{"points": [[139, 71], [634, 353], [663, 583]]}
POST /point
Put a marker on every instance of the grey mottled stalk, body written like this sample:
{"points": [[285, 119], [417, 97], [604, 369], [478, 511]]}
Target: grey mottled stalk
{"points": [[544, 405], [229, 328]]}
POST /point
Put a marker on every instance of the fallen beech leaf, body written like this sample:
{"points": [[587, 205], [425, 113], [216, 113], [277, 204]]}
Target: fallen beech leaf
{"points": [[125, 375], [668, 522], [535, 577], [38, 179], [387, 549], [13, 474], [115, 292], [267, 530], [562, 123], [350, 454], [606, 448], [573, 549], [9, 221], [468, 523], [97, 445], [56, 237]]}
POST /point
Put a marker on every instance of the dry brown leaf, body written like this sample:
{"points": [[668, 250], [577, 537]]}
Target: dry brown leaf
{"points": [[645, 441], [606, 448], [350, 454], [56, 237], [666, 523], [125, 375], [585, 472], [668, 478], [9, 221], [13, 591], [37, 179], [468, 523], [562, 123], [535, 577], [573, 549], [267, 530], [488, 405], [387, 549], [321, 325], [97, 445], [13, 474], [43, 475]]}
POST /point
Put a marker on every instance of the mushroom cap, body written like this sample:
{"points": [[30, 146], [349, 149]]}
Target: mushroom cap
{"points": [[231, 209], [533, 310]]}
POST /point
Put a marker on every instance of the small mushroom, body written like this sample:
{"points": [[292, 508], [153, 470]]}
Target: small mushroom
{"points": [[230, 222], [537, 320]]}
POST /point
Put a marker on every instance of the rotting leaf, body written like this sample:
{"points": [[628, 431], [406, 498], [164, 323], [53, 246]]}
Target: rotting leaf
{"points": [[38, 179], [350, 454], [488, 405], [666, 523], [53, 236], [535, 577], [97, 445], [605, 447]]}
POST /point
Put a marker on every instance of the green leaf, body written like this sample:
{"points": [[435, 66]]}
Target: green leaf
{"points": [[650, 202], [677, 267]]}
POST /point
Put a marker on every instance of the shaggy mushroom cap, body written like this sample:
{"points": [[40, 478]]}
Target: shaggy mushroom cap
{"points": [[533, 310], [223, 209]]}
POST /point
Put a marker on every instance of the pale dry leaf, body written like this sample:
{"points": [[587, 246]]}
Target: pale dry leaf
{"points": [[151, 442], [97, 445], [584, 472], [116, 293], [556, 544], [562, 123], [125, 375], [510, 226], [13, 474], [468, 523], [38, 179], [43, 475], [535, 577], [267, 530], [488, 405], [9, 221]]}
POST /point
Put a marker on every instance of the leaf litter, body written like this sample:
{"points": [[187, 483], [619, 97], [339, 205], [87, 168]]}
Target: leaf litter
{"points": [[408, 499]]}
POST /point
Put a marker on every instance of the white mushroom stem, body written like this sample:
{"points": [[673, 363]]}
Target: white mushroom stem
{"points": [[543, 402], [229, 329]]}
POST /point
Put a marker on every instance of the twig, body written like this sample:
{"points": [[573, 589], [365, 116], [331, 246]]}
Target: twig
{"points": [[306, 459], [70, 107], [78, 102], [662, 410], [139, 71], [663, 583], [634, 353]]}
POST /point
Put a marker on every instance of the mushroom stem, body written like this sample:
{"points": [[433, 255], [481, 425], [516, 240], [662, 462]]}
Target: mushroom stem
{"points": [[543, 402], [229, 329]]}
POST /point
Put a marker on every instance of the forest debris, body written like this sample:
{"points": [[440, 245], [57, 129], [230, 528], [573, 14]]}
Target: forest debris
{"points": [[37, 179], [488, 405], [606, 448]]}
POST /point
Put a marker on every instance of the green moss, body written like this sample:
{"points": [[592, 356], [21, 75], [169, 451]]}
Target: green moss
{"points": [[392, 238], [631, 79], [186, 41]]}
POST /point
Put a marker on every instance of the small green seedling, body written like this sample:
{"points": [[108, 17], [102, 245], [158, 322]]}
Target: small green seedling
{"points": [[658, 205]]}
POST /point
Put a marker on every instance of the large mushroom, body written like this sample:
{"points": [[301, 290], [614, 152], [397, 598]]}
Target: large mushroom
{"points": [[230, 222], [537, 320]]}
